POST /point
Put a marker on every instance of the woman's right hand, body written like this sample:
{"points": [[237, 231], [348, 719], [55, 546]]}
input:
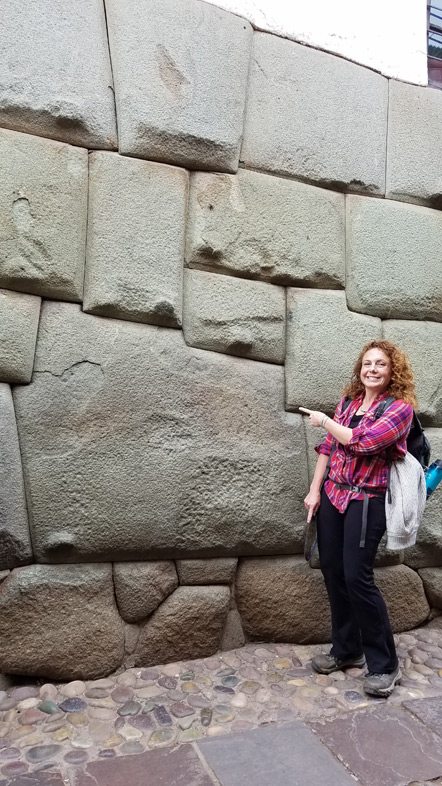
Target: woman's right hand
{"points": [[312, 502]]}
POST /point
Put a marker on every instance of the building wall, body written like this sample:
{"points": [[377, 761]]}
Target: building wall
{"points": [[180, 269]]}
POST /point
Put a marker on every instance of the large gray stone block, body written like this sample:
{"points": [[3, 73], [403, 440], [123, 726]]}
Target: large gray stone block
{"points": [[260, 226], [432, 580], [226, 314], [140, 587], [55, 74], [422, 341], [188, 625], [43, 214], [323, 342], [393, 259], [427, 552], [136, 446], [61, 622], [404, 595], [180, 74], [414, 158], [315, 116], [220, 570], [19, 316], [15, 541], [134, 264]]}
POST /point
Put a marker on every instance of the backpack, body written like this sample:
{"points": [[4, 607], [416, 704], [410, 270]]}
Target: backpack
{"points": [[417, 443]]}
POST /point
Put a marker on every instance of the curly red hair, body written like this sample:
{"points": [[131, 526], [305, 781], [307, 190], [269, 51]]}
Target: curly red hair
{"points": [[402, 377]]}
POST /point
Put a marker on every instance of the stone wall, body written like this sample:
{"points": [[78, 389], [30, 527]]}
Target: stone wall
{"points": [[169, 296]]}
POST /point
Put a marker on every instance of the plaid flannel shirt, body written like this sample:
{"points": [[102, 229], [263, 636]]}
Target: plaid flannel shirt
{"points": [[363, 461]]}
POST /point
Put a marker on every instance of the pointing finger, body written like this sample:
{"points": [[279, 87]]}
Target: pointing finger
{"points": [[307, 411]]}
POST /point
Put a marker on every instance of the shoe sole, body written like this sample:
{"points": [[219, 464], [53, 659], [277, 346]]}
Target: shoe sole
{"points": [[341, 668], [385, 692]]}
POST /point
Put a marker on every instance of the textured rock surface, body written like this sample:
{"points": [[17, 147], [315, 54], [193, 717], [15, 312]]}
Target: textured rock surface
{"points": [[393, 259], [189, 624], [60, 621], [138, 447], [144, 285], [260, 226], [404, 595], [233, 634], [226, 314], [55, 74], [15, 542], [428, 549], [140, 587], [282, 599], [422, 342], [414, 141], [180, 91], [207, 571], [432, 580], [19, 316], [323, 342], [43, 209], [315, 116]]}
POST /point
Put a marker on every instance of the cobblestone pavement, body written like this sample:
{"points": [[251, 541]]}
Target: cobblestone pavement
{"points": [[63, 728]]}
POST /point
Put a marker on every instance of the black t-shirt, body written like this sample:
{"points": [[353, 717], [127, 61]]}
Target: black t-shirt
{"points": [[355, 421]]}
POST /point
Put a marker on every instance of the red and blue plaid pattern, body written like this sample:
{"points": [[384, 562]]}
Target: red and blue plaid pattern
{"points": [[363, 461]]}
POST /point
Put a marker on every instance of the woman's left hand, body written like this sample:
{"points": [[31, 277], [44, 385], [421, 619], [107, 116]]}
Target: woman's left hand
{"points": [[316, 418]]}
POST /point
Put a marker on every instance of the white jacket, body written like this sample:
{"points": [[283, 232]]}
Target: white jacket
{"points": [[408, 497]]}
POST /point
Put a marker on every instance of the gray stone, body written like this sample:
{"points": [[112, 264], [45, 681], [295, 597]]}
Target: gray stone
{"points": [[43, 209], [189, 624], [19, 316], [414, 143], [323, 342], [15, 542], [67, 616], [231, 315], [220, 570], [260, 226], [404, 595], [422, 341], [233, 634], [180, 90], [138, 447], [393, 259], [315, 116], [282, 599], [432, 579], [140, 587], [55, 74], [144, 285], [427, 552]]}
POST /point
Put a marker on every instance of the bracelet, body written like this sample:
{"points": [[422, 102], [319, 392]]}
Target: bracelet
{"points": [[324, 420]]}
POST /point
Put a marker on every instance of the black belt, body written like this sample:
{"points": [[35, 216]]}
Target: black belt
{"points": [[359, 490]]}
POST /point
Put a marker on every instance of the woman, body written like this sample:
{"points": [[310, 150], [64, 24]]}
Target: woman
{"points": [[352, 499]]}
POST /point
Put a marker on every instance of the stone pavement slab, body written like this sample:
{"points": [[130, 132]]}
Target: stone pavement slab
{"points": [[288, 755], [42, 778], [168, 767], [429, 711], [385, 746]]}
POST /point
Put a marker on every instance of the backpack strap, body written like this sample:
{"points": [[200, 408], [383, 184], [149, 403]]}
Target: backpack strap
{"points": [[345, 405], [387, 402]]}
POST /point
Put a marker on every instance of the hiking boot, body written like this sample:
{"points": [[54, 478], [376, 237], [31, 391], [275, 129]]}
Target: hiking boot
{"points": [[326, 664], [382, 684]]}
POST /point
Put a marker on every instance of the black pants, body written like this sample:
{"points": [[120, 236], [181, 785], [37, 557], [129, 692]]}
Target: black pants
{"points": [[359, 616]]}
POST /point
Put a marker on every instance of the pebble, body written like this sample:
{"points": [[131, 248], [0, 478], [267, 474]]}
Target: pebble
{"points": [[14, 768], [107, 753], [162, 737], [181, 710], [224, 689], [101, 713], [97, 693], [214, 731], [225, 717], [63, 734], [162, 716], [113, 742], [78, 719], [127, 679], [48, 692], [28, 704], [282, 663], [9, 753], [206, 716], [353, 696], [123, 694], [152, 692], [130, 733], [129, 708], [148, 707], [72, 705], [42, 753], [72, 689], [25, 692], [21, 731], [49, 707], [142, 722], [75, 757], [130, 748], [82, 742], [169, 683], [150, 674], [197, 701], [189, 735], [240, 700], [32, 716], [56, 724], [186, 723], [7, 704], [189, 687]]}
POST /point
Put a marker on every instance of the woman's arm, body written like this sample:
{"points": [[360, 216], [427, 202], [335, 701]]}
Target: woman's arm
{"points": [[313, 498], [341, 433]]}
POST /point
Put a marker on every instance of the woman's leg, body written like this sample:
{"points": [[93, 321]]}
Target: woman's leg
{"points": [[346, 638], [366, 599]]}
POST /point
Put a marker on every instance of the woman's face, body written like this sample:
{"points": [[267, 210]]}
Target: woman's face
{"points": [[376, 371]]}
